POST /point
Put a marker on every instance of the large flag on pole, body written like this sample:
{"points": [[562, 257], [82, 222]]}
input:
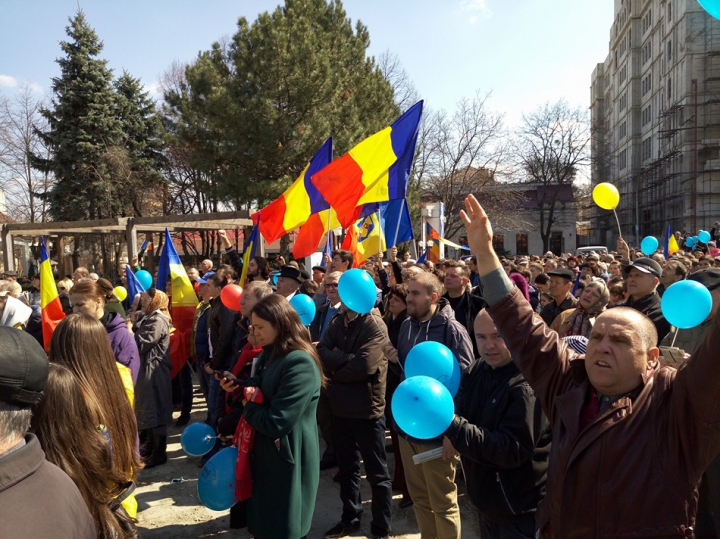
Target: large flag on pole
{"points": [[299, 201], [671, 245], [51, 308], [183, 302], [250, 251], [376, 170]]}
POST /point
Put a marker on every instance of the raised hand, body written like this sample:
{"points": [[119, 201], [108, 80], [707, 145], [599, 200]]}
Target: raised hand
{"points": [[479, 235]]}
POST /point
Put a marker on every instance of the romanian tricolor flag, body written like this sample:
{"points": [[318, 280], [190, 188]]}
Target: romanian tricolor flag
{"points": [[183, 302], [365, 239], [376, 170], [671, 245], [433, 252], [250, 249], [299, 202], [51, 308]]}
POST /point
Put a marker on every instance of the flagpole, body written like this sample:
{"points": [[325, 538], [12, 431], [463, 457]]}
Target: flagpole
{"points": [[397, 227], [329, 211]]}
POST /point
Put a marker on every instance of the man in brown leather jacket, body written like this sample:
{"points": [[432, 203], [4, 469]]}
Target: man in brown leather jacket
{"points": [[630, 439]]}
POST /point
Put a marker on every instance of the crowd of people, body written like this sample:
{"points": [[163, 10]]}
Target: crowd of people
{"points": [[581, 411]]}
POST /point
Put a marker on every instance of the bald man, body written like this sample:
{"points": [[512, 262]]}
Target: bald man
{"points": [[630, 439]]}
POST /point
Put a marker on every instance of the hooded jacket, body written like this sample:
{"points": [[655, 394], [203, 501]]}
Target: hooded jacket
{"points": [[443, 328], [123, 344]]}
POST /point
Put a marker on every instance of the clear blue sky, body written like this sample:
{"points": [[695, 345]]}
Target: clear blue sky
{"points": [[526, 52]]}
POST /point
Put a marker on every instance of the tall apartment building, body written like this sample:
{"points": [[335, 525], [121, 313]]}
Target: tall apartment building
{"points": [[655, 111]]}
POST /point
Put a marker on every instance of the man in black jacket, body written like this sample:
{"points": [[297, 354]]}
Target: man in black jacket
{"points": [[503, 439], [465, 304], [351, 350], [643, 277]]}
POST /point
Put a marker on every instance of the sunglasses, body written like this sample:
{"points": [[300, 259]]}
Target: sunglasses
{"points": [[331, 285]]}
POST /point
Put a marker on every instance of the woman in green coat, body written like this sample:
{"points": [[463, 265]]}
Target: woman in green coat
{"points": [[286, 455]]}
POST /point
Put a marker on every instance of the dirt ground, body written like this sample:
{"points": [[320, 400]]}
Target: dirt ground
{"points": [[171, 510]]}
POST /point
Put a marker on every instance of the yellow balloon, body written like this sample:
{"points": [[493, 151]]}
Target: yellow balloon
{"points": [[120, 292], [606, 196]]}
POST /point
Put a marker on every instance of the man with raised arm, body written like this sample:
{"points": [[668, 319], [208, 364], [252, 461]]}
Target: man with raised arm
{"points": [[630, 439]]}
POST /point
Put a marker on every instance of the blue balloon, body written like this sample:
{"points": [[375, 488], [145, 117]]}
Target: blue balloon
{"points": [[305, 307], [696, 239], [689, 241], [216, 483], [145, 279], [711, 6], [435, 360], [649, 245], [422, 407], [686, 304], [197, 439], [357, 290], [704, 236], [275, 278]]}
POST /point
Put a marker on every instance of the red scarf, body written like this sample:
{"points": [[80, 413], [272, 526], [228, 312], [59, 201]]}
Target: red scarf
{"points": [[247, 354], [243, 440]]}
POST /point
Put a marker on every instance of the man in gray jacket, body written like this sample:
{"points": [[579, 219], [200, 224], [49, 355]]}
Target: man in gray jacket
{"points": [[37, 499], [432, 483]]}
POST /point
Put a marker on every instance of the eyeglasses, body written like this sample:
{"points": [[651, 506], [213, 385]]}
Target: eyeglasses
{"points": [[331, 285]]}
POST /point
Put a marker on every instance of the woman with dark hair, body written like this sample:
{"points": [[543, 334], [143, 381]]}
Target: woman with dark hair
{"points": [[395, 314], [64, 423], [90, 298], [153, 392], [286, 454]]}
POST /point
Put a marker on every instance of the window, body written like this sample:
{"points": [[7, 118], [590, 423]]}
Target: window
{"points": [[623, 101], [622, 130], [646, 149], [646, 115], [521, 244], [647, 21], [669, 50], [646, 52], [669, 10], [669, 89], [499, 243], [623, 74], [622, 160], [647, 84]]}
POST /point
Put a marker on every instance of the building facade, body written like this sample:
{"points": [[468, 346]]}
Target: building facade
{"points": [[655, 111]]}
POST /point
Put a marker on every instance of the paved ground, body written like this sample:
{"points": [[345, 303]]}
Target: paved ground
{"points": [[170, 510]]}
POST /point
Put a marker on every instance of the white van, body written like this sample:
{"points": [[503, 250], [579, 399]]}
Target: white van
{"points": [[599, 249]]}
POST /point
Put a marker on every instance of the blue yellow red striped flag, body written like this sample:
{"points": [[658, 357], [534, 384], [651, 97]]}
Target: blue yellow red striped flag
{"points": [[51, 308], [376, 170], [183, 302], [299, 201], [250, 250]]}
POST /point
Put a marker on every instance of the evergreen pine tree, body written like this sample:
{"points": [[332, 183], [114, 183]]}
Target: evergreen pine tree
{"points": [[83, 128], [140, 157]]}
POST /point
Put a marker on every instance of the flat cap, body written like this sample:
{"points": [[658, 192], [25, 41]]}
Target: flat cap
{"points": [[562, 272], [709, 278], [646, 265]]}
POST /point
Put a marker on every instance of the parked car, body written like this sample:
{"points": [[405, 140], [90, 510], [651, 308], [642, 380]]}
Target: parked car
{"points": [[599, 249]]}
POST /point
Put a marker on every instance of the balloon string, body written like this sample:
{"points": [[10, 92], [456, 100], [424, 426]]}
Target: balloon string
{"points": [[618, 222], [672, 344]]}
